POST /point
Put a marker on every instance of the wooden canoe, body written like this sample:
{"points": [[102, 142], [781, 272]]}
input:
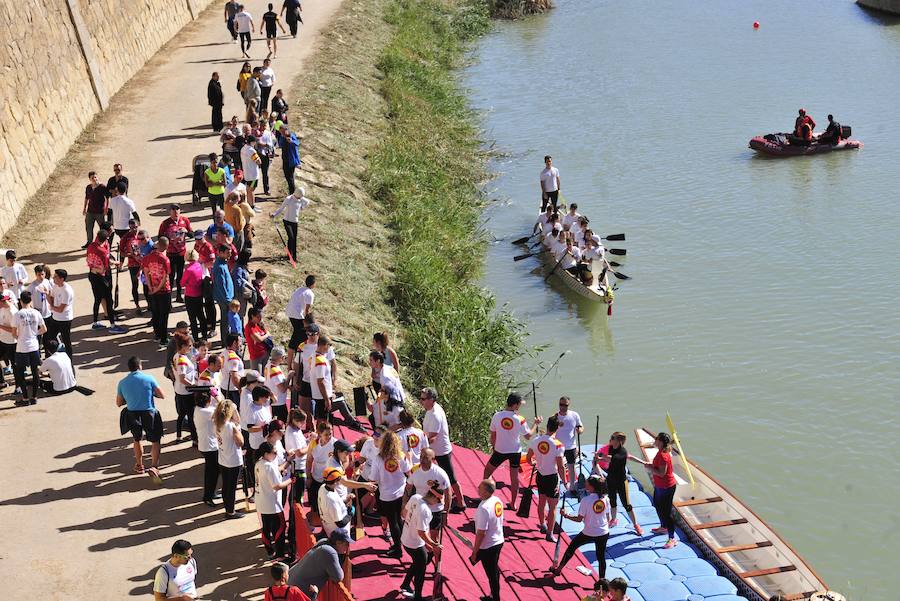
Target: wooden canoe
{"points": [[594, 292], [738, 542]]}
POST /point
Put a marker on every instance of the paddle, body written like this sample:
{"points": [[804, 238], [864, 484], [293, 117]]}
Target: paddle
{"points": [[552, 271], [523, 239], [613, 263], [617, 251], [287, 252], [360, 531], [525, 504], [620, 276], [615, 238], [580, 483], [596, 444], [559, 538], [684, 459], [526, 255], [437, 593]]}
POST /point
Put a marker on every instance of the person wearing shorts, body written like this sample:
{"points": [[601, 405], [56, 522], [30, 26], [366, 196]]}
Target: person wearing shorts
{"points": [[506, 428], [437, 430], [271, 20], [137, 392], [546, 451]]}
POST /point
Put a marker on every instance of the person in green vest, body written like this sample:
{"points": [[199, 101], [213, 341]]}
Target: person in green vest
{"points": [[214, 178]]}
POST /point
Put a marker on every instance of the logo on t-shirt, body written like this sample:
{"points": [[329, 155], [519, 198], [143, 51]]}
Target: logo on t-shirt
{"points": [[391, 465], [599, 506], [498, 509], [413, 441], [543, 447], [507, 423]]}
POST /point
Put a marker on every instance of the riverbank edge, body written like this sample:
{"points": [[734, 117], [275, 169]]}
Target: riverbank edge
{"points": [[393, 162]]}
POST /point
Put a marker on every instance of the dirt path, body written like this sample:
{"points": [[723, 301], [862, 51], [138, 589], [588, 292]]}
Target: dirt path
{"points": [[76, 523]]}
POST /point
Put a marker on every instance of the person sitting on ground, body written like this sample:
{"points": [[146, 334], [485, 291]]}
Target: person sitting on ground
{"points": [[832, 133], [58, 367], [280, 589], [175, 578], [321, 564]]}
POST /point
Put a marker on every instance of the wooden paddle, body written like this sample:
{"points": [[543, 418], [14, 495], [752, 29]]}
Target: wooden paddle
{"points": [[596, 444], [360, 530], [552, 271], [437, 593], [684, 459], [580, 481], [526, 255], [617, 251], [559, 538], [524, 509]]}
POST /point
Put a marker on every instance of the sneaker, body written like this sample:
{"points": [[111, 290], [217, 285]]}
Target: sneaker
{"points": [[20, 403], [659, 530], [178, 299], [670, 543], [394, 554], [638, 530], [257, 210], [234, 516], [542, 529], [32, 401], [85, 246], [550, 538], [405, 592], [209, 502], [97, 326], [271, 555], [7, 371], [114, 329]]}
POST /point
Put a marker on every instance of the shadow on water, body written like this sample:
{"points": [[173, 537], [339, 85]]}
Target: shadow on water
{"points": [[879, 17]]}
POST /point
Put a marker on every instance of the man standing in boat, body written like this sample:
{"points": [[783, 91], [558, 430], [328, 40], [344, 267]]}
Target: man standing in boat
{"points": [[506, 428], [550, 184]]}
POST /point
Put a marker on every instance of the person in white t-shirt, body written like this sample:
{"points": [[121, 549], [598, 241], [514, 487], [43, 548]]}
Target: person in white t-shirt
{"points": [[507, 427], [250, 162], [570, 218], [230, 442], [15, 274], [232, 368], [207, 443], [28, 327], [296, 444], [185, 374], [412, 438], [570, 428], [594, 512], [437, 430], [40, 290], [547, 453], [277, 380], [62, 310], [243, 23], [333, 509], [122, 208], [269, 484], [425, 476], [550, 184], [8, 311], [174, 580], [297, 307], [389, 472], [321, 450], [489, 534], [418, 541], [59, 367]]}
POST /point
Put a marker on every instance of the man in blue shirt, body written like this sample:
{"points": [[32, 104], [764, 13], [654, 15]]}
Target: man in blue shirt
{"points": [[136, 392], [290, 155], [223, 286], [218, 225]]}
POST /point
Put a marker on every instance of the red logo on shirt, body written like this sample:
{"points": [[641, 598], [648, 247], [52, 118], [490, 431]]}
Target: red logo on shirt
{"points": [[391, 465], [543, 447], [599, 506], [498, 509], [413, 441], [507, 423]]}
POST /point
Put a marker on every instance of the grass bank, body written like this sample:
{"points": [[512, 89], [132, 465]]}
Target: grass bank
{"points": [[392, 162]]}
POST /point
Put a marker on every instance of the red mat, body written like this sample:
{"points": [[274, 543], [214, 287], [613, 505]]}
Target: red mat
{"points": [[524, 562]]}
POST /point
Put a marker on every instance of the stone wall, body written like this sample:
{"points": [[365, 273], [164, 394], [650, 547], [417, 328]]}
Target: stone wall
{"points": [[62, 60]]}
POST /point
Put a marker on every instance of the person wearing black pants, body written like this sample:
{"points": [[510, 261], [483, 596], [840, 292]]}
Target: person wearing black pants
{"points": [[489, 535], [209, 309], [230, 457], [269, 501], [216, 100], [159, 298], [417, 541], [61, 300], [593, 510], [290, 155], [100, 277], [664, 484], [207, 443]]}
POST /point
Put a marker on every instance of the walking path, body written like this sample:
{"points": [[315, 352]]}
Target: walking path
{"points": [[77, 523]]}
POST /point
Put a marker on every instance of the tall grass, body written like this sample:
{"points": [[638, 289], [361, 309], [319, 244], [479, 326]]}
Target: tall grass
{"points": [[426, 172]]}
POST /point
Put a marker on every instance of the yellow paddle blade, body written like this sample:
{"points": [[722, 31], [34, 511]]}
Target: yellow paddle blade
{"points": [[684, 460]]}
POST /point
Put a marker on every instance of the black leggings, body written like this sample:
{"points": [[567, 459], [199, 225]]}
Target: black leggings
{"points": [[31, 360], [289, 176], [490, 561], [618, 488], [416, 573], [160, 307], [102, 292], [63, 329], [194, 306], [663, 499], [245, 37], [390, 510], [177, 263], [299, 487], [210, 473], [209, 308], [229, 486], [290, 228], [184, 405], [133, 273], [273, 532], [599, 548]]}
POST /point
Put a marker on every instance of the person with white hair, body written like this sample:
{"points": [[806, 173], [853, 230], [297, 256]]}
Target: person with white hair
{"points": [[290, 208]]}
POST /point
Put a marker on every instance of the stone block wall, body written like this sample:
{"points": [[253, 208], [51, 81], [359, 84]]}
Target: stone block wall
{"points": [[46, 89]]}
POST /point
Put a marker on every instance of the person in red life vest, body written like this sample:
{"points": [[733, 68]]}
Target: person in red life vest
{"points": [[803, 127], [506, 428], [130, 253], [176, 228], [100, 277], [156, 268], [281, 590]]}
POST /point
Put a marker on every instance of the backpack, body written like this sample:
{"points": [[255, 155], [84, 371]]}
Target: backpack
{"points": [[171, 571], [270, 593]]}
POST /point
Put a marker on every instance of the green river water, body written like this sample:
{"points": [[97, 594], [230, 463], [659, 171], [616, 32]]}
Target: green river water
{"points": [[763, 313]]}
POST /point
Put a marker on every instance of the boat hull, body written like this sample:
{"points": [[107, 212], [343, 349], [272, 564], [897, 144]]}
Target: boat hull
{"points": [[763, 146], [737, 541], [593, 292]]}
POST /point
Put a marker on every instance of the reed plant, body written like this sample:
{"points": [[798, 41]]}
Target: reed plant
{"points": [[426, 172]]}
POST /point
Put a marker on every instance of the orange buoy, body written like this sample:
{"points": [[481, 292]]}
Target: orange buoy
{"points": [[756, 25]]}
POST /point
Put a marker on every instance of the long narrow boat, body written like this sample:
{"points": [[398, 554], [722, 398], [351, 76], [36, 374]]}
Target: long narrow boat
{"points": [[737, 541], [594, 292]]}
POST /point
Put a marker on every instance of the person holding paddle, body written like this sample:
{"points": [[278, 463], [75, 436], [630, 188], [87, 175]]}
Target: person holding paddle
{"points": [[506, 428], [660, 470], [417, 540], [594, 512], [547, 452], [570, 427], [616, 480]]}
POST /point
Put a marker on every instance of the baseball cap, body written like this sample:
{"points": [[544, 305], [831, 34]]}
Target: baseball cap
{"points": [[339, 535], [312, 328], [333, 474], [252, 375], [342, 446]]}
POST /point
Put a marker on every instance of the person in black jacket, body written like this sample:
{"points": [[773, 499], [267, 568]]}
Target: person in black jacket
{"points": [[216, 101], [832, 134]]}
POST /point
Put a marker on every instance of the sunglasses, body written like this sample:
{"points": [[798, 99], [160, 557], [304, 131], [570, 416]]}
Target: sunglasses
{"points": [[563, 404]]}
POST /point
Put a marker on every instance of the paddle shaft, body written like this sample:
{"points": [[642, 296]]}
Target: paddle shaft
{"points": [[559, 538], [438, 591], [596, 442], [534, 398]]}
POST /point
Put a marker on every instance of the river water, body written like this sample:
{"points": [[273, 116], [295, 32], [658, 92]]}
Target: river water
{"points": [[763, 310]]}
